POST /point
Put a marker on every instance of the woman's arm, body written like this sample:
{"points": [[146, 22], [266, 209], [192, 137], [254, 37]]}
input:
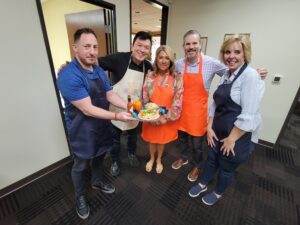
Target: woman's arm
{"points": [[176, 106]]}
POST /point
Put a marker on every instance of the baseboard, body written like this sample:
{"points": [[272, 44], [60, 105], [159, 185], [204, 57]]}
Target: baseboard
{"points": [[29, 179], [266, 143]]}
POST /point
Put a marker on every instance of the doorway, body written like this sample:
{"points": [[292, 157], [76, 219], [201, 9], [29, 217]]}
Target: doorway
{"points": [[62, 18], [150, 16]]}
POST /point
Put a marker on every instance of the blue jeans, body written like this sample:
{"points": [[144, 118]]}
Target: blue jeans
{"points": [[131, 143], [216, 161], [196, 146], [79, 169]]}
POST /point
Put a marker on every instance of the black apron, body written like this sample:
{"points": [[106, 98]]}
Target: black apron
{"points": [[226, 114], [90, 137]]}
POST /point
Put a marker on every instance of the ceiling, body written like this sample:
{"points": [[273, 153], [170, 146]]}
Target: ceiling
{"points": [[146, 17]]}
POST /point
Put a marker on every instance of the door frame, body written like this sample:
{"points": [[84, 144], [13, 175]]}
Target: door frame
{"points": [[164, 20]]}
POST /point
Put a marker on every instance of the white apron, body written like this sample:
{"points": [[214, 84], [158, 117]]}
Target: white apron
{"points": [[130, 84]]}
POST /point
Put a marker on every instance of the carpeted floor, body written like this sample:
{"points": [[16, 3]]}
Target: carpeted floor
{"points": [[265, 192]]}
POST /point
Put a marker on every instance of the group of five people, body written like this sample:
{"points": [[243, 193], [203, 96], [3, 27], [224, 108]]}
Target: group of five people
{"points": [[182, 88]]}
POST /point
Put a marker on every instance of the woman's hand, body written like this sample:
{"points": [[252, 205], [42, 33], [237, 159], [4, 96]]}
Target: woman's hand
{"points": [[159, 121], [228, 146], [211, 136]]}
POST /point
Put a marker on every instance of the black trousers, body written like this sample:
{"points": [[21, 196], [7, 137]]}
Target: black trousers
{"points": [[197, 149]]}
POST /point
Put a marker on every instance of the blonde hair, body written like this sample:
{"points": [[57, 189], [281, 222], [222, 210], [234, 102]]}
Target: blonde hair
{"points": [[245, 43], [170, 54]]}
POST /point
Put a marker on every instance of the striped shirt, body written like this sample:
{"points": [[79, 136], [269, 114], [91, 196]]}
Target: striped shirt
{"points": [[210, 67]]}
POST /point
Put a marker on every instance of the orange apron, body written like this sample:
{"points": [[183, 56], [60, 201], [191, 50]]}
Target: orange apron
{"points": [[162, 134], [193, 119]]}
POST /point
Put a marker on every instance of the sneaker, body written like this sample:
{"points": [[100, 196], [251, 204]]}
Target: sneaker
{"points": [[133, 160], [193, 175], [82, 207], [114, 169], [196, 190], [179, 163], [210, 198], [105, 187]]}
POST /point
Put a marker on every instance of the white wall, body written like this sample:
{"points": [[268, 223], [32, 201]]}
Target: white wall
{"points": [[274, 34], [31, 131]]}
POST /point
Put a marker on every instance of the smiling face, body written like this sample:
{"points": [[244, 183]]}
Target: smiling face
{"points": [[86, 50], [233, 56], [140, 50], [192, 47], [163, 62]]}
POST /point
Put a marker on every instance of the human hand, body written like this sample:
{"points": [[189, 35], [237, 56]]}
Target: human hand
{"points": [[61, 67], [211, 136], [124, 116], [156, 122], [263, 72], [228, 146]]}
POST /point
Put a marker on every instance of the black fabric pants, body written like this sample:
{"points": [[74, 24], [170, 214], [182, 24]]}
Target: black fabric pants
{"points": [[79, 172], [197, 149], [131, 143]]}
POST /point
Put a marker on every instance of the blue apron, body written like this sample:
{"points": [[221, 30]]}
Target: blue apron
{"points": [[90, 137], [226, 114]]}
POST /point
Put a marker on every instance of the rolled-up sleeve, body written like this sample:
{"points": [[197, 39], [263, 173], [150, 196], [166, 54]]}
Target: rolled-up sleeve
{"points": [[252, 90]]}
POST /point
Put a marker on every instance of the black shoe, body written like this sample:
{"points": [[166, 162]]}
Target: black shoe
{"points": [[133, 160], [104, 187], [82, 207], [114, 169]]}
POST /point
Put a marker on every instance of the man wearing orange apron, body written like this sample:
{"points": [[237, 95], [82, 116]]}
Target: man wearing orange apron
{"points": [[198, 71], [127, 75]]}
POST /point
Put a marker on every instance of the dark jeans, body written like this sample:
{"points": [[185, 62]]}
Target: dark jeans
{"points": [[116, 148], [79, 172], [216, 161], [196, 148]]}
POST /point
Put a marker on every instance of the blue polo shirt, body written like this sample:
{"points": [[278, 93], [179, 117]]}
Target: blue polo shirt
{"points": [[73, 85]]}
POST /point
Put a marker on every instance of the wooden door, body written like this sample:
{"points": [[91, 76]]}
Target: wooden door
{"points": [[93, 19]]}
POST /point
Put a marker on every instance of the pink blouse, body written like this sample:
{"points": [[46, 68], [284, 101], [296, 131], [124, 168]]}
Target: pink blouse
{"points": [[176, 106]]}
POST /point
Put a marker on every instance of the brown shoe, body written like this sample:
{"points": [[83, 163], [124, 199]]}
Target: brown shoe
{"points": [[193, 175], [179, 163]]}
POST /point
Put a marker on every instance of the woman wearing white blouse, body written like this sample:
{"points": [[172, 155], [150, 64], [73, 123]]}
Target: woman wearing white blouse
{"points": [[234, 118]]}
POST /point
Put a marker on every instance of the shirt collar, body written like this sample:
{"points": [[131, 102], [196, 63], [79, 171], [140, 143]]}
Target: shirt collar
{"points": [[229, 77]]}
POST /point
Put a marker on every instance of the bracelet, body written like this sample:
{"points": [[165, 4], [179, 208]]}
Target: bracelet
{"points": [[116, 116]]}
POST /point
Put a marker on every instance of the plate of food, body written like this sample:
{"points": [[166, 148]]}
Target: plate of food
{"points": [[149, 113]]}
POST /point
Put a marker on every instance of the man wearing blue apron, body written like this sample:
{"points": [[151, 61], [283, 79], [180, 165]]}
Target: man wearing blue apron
{"points": [[128, 70], [87, 93]]}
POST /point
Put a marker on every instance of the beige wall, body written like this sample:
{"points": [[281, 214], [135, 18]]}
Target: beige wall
{"points": [[274, 29]]}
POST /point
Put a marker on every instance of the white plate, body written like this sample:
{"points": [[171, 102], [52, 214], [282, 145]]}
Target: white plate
{"points": [[144, 119]]}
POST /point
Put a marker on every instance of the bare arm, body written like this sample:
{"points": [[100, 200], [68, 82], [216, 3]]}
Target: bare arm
{"points": [[116, 100], [211, 135], [86, 107]]}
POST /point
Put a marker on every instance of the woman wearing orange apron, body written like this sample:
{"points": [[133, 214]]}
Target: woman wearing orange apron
{"points": [[164, 88]]}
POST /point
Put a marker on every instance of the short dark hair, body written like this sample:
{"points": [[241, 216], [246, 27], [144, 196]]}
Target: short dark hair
{"points": [[81, 31], [142, 35]]}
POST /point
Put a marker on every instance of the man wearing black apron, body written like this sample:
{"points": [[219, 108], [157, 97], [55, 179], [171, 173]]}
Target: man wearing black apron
{"points": [[87, 93], [127, 72]]}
